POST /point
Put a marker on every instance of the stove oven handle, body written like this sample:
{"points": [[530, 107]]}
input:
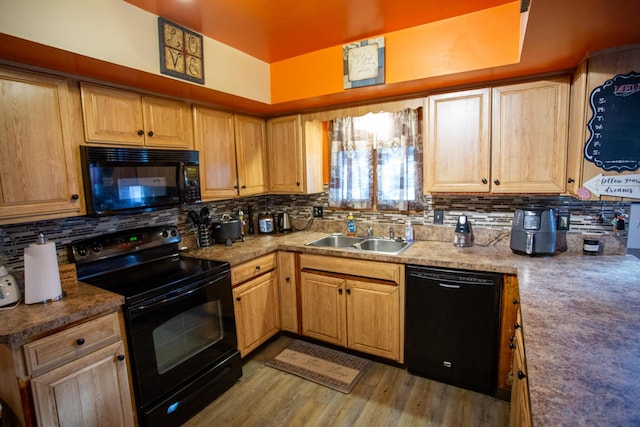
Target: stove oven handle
{"points": [[175, 295]]}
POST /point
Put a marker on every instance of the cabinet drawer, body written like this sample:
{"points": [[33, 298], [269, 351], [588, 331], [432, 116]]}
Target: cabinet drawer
{"points": [[253, 268], [69, 344], [353, 267]]}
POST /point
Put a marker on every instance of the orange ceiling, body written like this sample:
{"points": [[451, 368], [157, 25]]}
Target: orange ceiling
{"points": [[273, 30]]}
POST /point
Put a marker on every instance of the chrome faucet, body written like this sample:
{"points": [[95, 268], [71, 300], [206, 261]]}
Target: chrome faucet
{"points": [[369, 231], [392, 234]]}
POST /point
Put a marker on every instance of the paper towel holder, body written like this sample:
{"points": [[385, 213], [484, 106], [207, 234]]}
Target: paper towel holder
{"points": [[41, 285]]}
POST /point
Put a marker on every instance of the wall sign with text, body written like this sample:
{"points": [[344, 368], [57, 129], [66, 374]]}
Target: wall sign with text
{"points": [[181, 52], [614, 144], [363, 63]]}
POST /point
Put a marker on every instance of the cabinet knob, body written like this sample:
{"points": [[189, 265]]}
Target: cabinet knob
{"points": [[496, 181], [121, 357], [348, 291], [512, 346], [521, 375], [75, 197], [244, 186], [257, 267], [515, 301], [484, 180], [80, 341], [340, 291], [238, 298], [571, 180], [516, 325], [298, 183], [287, 279], [140, 132], [512, 338], [150, 133]]}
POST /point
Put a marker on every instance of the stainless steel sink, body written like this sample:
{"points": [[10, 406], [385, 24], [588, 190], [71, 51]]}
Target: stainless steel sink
{"points": [[369, 244], [337, 241], [383, 245]]}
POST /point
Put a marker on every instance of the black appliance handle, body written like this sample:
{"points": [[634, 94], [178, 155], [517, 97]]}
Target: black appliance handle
{"points": [[175, 295]]}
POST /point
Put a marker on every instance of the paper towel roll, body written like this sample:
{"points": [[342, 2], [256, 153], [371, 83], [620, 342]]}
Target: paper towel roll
{"points": [[41, 275]]}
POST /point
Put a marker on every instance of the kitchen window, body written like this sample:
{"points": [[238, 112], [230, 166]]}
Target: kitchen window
{"points": [[376, 161]]}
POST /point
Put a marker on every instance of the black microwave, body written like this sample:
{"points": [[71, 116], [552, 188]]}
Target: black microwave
{"points": [[126, 180]]}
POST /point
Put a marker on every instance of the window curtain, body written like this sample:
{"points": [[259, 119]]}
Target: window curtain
{"points": [[399, 161], [351, 177], [396, 141]]}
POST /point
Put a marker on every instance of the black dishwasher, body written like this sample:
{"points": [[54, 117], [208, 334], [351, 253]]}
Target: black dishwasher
{"points": [[452, 326]]}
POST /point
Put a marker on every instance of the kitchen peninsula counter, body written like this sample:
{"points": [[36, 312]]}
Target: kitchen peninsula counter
{"points": [[581, 317], [27, 322]]}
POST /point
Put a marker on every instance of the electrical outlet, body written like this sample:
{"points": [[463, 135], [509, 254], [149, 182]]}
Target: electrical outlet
{"points": [[438, 217], [317, 211]]}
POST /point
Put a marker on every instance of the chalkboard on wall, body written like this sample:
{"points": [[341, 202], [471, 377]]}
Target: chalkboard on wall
{"points": [[614, 143]]}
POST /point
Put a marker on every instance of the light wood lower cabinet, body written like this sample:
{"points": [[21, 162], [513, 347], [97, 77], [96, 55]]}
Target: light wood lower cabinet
{"points": [[359, 313], [287, 284], [520, 405], [255, 302], [77, 376]]}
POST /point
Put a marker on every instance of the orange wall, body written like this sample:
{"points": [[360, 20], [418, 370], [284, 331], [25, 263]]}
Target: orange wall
{"points": [[484, 39]]}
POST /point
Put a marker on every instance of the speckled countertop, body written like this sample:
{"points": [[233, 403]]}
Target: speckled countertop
{"points": [[26, 322], [581, 320]]}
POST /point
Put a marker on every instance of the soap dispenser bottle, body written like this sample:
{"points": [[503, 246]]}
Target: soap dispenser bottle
{"points": [[408, 232], [351, 225]]}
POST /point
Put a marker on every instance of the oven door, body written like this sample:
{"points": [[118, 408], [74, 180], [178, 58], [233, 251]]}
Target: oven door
{"points": [[175, 337]]}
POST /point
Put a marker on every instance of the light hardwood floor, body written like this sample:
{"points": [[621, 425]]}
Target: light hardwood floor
{"points": [[384, 396]]}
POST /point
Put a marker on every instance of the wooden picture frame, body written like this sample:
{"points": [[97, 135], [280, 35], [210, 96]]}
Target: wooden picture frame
{"points": [[181, 52]]}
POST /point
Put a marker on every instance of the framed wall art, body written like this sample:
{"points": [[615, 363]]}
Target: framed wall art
{"points": [[363, 63], [181, 52]]}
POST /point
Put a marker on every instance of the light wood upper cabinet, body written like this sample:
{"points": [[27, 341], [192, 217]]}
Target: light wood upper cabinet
{"points": [[458, 144], [529, 135], [39, 158], [593, 72], [294, 155], [122, 117], [232, 154], [507, 139], [251, 155]]}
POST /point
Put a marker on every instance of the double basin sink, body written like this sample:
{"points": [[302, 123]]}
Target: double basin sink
{"points": [[369, 244]]}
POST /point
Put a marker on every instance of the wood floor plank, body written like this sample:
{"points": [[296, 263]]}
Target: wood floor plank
{"points": [[385, 396]]}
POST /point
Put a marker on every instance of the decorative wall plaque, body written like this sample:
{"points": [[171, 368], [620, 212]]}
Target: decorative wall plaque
{"points": [[614, 143], [363, 63], [181, 53]]}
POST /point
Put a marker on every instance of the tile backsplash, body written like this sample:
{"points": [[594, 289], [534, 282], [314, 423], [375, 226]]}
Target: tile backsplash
{"points": [[493, 214]]}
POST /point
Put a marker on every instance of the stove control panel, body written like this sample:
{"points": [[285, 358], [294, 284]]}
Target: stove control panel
{"points": [[123, 242]]}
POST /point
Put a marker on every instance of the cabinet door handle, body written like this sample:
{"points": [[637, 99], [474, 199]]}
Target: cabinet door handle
{"points": [[140, 132], [571, 180], [512, 346], [515, 301], [121, 357], [150, 133], [516, 325], [496, 181], [80, 341], [348, 291], [257, 268], [75, 197], [244, 186], [287, 279], [238, 298], [340, 291], [298, 183], [521, 375], [484, 180]]}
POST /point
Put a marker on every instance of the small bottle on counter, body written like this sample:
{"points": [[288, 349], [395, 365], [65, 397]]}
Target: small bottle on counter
{"points": [[408, 232], [351, 225]]}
